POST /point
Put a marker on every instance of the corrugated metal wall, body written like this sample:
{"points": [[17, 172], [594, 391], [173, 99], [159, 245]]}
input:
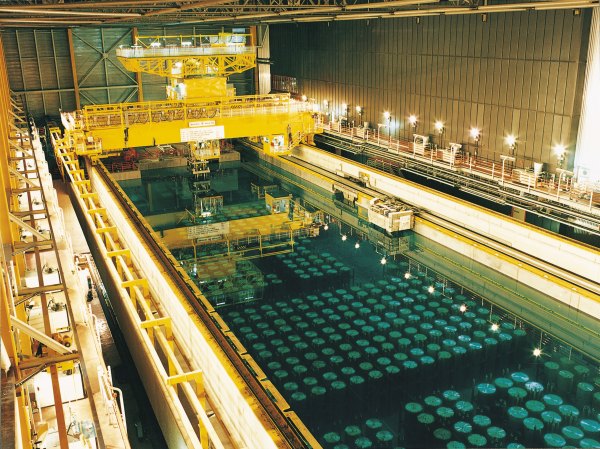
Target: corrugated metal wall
{"points": [[39, 67], [518, 73]]}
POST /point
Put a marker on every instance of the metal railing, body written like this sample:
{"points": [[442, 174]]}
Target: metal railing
{"points": [[126, 114]]}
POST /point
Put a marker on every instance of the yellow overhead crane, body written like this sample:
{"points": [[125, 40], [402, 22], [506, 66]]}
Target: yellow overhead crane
{"points": [[200, 107]]}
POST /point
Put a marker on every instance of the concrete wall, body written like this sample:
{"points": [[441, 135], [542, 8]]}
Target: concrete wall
{"points": [[519, 73], [233, 408]]}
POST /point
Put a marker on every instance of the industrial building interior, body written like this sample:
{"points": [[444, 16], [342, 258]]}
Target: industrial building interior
{"points": [[336, 224]]}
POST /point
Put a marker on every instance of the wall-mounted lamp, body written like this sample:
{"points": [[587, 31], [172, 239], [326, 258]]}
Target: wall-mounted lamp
{"points": [[511, 141], [412, 120], [561, 152], [303, 97], [387, 116], [439, 127]]}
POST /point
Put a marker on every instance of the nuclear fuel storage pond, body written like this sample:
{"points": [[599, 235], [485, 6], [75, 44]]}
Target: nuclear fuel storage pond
{"points": [[375, 339]]}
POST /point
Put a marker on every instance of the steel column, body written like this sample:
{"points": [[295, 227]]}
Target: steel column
{"points": [[74, 68]]}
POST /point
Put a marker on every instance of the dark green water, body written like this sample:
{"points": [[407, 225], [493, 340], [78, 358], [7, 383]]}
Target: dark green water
{"points": [[397, 355]]}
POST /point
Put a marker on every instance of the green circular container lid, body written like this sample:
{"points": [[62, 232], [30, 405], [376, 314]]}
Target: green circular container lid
{"points": [[348, 370], [590, 426], [442, 434], [550, 417], [581, 370], [336, 359], [444, 355], [310, 356], [427, 360], [387, 347], [409, 364], [477, 440], [552, 400], [329, 376], [366, 366], [534, 387], [363, 443], [332, 437], [455, 445], [413, 407], [517, 393], [515, 446], [318, 364], [486, 389], [448, 343], [589, 442], [572, 433], [318, 390], [459, 350], [300, 369], [354, 355], [274, 366], [352, 431], [280, 374], [565, 374], [432, 401], [464, 406], [384, 436], [400, 357], [497, 433], [585, 387], [445, 412], [479, 335], [392, 369], [519, 377], [374, 423], [357, 380], [383, 361], [550, 365], [503, 383], [554, 440], [533, 424], [298, 396], [451, 395], [375, 374], [310, 381], [290, 386], [517, 412], [371, 350], [535, 406], [417, 352], [568, 410], [338, 385], [425, 418], [378, 339], [463, 427]]}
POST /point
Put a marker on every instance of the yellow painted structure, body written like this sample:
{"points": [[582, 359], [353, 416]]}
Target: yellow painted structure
{"points": [[186, 56], [238, 229], [116, 126]]}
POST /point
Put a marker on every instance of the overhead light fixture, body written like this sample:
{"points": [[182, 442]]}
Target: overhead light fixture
{"points": [[386, 115], [344, 237], [357, 245], [439, 126], [463, 308], [412, 119], [537, 352], [494, 327], [303, 97], [407, 275], [474, 133], [383, 260]]}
